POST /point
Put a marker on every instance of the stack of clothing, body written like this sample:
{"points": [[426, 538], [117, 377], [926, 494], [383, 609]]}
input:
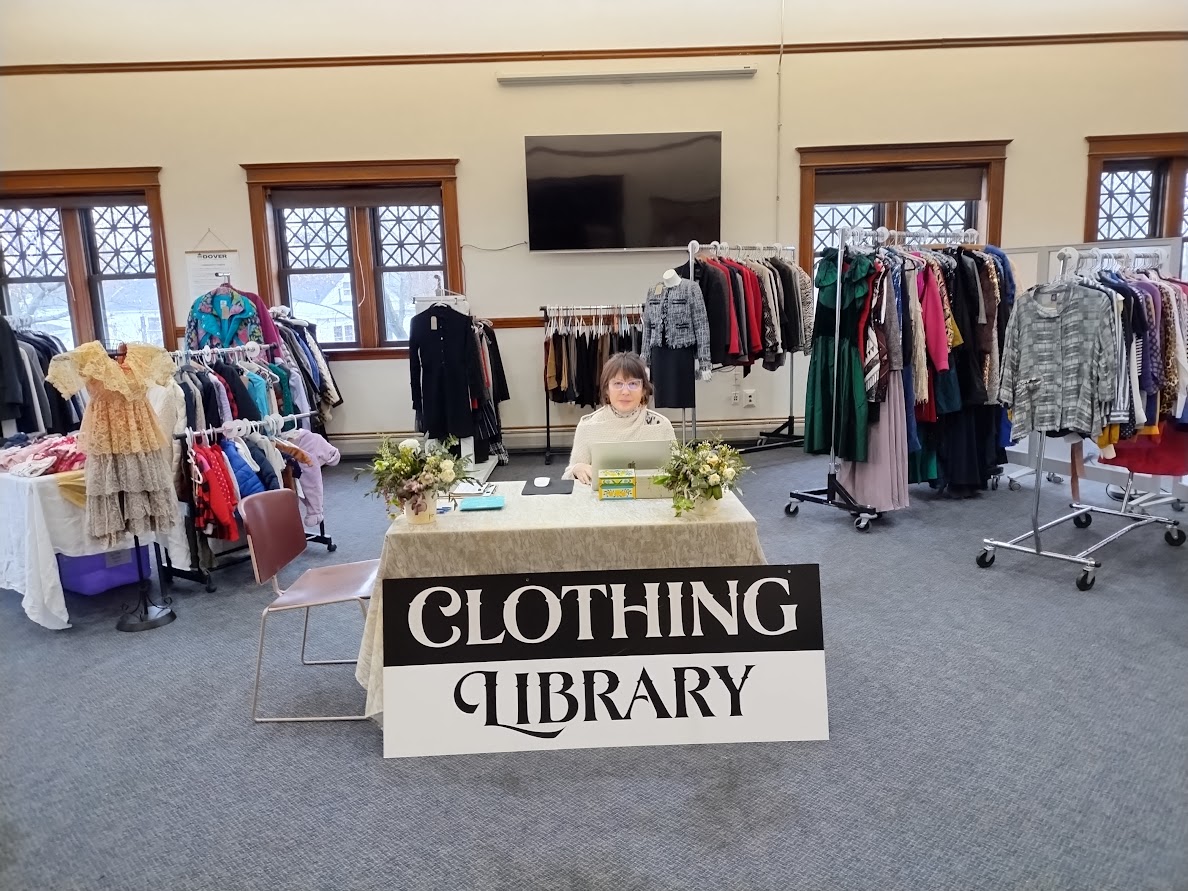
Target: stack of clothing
{"points": [[43, 457]]}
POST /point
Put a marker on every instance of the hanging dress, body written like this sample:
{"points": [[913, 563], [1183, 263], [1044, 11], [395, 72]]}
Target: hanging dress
{"points": [[128, 472], [851, 410]]}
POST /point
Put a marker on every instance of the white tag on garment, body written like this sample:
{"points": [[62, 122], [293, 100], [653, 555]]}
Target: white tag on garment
{"points": [[433, 323], [300, 491]]}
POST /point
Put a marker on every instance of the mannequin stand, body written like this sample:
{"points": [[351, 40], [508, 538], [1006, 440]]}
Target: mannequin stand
{"points": [[148, 614]]}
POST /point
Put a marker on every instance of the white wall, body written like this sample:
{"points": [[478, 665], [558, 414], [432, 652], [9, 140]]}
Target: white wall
{"points": [[200, 126], [39, 31]]}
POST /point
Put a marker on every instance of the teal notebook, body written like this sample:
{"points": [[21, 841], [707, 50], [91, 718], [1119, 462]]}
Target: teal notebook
{"points": [[481, 502]]}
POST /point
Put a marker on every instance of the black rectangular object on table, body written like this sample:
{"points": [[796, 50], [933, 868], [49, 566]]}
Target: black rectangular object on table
{"points": [[555, 487]]}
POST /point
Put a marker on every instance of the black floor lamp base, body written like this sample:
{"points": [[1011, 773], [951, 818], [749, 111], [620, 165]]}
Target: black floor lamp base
{"points": [[148, 617]]}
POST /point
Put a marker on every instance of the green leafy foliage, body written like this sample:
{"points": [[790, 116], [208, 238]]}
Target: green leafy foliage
{"points": [[699, 471]]}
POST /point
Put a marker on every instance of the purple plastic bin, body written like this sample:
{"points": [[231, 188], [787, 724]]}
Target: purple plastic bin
{"points": [[101, 572]]}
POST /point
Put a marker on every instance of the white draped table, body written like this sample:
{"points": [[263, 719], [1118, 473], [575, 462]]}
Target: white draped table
{"points": [[36, 523], [552, 533]]}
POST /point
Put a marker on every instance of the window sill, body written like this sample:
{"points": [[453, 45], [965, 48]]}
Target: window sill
{"points": [[354, 354]]}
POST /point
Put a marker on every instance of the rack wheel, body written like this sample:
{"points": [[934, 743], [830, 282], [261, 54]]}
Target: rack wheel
{"points": [[1083, 521], [1175, 537], [1178, 506], [1055, 478], [791, 509], [993, 484], [1014, 485], [862, 524], [1086, 580], [986, 559], [332, 547], [762, 441], [210, 586]]}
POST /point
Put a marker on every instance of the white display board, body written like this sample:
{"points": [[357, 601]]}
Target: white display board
{"points": [[206, 270], [573, 660]]}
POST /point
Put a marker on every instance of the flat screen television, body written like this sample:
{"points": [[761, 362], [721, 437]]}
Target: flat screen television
{"points": [[638, 190]]}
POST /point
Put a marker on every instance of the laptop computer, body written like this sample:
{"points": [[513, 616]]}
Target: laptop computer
{"points": [[645, 454]]}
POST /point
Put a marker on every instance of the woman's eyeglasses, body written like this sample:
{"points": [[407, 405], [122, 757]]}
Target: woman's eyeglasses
{"points": [[629, 386]]}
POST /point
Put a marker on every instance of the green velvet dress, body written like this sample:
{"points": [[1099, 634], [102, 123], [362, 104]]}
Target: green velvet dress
{"points": [[851, 387]]}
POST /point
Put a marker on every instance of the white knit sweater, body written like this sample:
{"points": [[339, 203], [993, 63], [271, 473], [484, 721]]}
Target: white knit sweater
{"points": [[607, 425]]}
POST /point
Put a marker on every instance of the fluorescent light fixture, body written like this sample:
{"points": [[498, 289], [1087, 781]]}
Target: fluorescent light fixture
{"points": [[625, 77]]}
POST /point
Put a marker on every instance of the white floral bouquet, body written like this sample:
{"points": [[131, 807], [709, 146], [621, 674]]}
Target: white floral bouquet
{"points": [[700, 471], [406, 474]]}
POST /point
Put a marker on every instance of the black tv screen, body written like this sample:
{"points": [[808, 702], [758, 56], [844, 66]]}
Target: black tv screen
{"points": [[639, 190]]}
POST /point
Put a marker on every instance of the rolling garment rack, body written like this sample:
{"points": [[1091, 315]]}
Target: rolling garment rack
{"points": [[784, 435], [596, 311], [834, 494], [1082, 514], [166, 570]]}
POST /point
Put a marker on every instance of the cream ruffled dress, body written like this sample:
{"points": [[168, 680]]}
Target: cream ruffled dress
{"points": [[128, 474]]}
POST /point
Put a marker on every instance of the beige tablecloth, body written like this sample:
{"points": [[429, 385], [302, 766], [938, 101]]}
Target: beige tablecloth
{"points": [[552, 533]]}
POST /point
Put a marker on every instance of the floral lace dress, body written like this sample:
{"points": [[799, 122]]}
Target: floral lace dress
{"points": [[128, 476]]}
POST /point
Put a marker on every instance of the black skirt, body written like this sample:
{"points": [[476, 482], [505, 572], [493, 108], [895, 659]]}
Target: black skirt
{"points": [[674, 376]]}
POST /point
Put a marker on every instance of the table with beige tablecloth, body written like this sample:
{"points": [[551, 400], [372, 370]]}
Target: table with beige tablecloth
{"points": [[553, 533]]}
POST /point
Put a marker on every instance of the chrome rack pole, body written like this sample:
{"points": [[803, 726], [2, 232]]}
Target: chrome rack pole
{"points": [[548, 455]]}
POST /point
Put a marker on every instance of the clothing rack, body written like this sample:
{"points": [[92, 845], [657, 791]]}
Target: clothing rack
{"points": [[784, 435], [835, 494], [1132, 510], [166, 571], [557, 313]]}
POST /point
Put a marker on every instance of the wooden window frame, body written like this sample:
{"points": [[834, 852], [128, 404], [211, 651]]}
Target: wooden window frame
{"points": [[1167, 149], [263, 178], [990, 155], [95, 183]]}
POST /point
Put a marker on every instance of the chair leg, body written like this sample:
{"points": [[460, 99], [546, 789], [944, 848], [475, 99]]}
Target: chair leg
{"points": [[256, 691], [305, 633], [259, 663]]}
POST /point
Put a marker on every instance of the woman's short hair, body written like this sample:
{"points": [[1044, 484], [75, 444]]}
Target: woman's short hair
{"points": [[628, 366]]}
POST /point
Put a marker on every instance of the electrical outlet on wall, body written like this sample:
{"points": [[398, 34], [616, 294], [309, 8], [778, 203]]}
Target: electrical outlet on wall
{"points": [[749, 397], [735, 397]]}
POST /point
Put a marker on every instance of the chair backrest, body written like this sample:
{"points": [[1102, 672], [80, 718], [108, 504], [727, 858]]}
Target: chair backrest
{"points": [[275, 535]]}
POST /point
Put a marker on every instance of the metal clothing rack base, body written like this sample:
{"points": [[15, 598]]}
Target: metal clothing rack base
{"points": [[168, 573], [1082, 517]]}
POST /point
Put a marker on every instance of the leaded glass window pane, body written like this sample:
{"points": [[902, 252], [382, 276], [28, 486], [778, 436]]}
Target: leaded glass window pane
{"points": [[123, 240], [410, 236], [131, 311], [829, 217], [316, 238], [1127, 206], [938, 216], [31, 244]]}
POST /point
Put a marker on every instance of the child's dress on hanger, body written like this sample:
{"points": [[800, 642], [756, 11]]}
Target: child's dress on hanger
{"points": [[128, 471]]}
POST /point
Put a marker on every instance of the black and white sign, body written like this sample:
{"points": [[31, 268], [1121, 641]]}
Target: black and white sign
{"points": [[504, 663]]}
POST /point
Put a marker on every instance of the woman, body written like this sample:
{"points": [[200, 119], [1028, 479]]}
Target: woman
{"points": [[623, 417]]}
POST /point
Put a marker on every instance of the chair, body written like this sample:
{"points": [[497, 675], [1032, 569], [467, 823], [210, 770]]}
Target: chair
{"points": [[276, 538]]}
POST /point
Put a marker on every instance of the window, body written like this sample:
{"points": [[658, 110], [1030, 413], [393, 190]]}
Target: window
{"points": [[948, 187], [354, 245], [1136, 187], [80, 254], [828, 218]]}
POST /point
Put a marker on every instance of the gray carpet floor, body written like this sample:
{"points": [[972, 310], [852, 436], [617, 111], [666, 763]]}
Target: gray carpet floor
{"points": [[991, 729]]}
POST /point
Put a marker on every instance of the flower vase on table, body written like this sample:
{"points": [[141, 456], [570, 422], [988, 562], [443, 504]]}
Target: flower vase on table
{"points": [[424, 518], [699, 474], [410, 477]]}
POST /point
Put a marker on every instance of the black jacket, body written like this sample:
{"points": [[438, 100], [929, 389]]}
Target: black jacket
{"points": [[445, 372], [12, 374], [717, 304]]}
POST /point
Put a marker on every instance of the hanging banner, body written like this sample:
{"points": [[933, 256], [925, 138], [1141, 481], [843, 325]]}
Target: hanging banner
{"points": [[206, 270], [568, 660]]}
